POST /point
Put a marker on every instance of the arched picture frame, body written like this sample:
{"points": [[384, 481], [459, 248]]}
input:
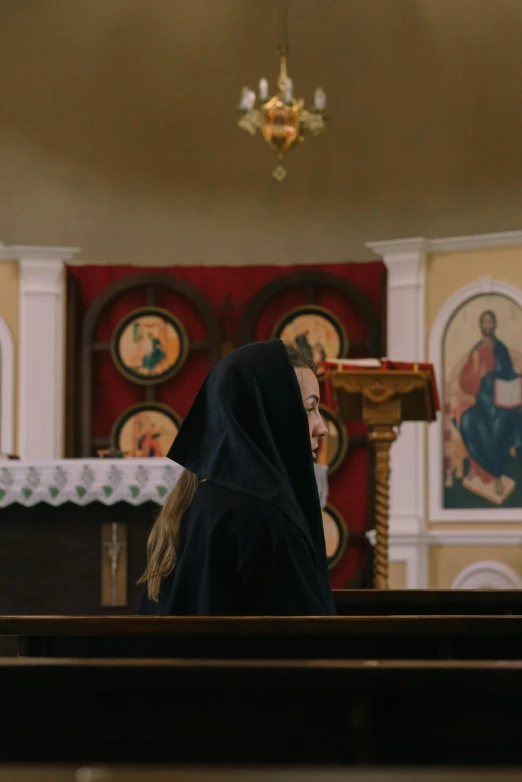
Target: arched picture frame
{"points": [[475, 345], [487, 575], [335, 535], [333, 447], [145, 430], [149, 345], [315, 331]]}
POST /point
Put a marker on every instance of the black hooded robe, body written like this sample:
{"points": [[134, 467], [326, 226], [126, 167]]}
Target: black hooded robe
{"points": [[252, 540]]}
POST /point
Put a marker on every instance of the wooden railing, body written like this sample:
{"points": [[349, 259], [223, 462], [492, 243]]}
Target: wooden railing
{"points": [[370, 602]]}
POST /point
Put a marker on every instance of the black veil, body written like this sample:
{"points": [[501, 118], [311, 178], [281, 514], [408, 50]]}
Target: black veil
{"points": [[247, 430]]}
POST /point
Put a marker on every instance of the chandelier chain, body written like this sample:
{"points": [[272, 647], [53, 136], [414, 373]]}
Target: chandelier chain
{"points": [[283, 26]]}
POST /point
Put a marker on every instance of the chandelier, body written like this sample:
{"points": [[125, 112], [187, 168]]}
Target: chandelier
{"points": [[281, 118]]}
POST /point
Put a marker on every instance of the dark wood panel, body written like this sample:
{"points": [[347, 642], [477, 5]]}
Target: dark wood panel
{"points": [[259, 627], [402, 713], [149, 773], [364, 602], [58, 572], [341, 638], [8, 646]]}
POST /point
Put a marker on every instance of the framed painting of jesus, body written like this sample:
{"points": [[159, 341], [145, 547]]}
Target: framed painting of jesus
{"points": [[482, 412]]}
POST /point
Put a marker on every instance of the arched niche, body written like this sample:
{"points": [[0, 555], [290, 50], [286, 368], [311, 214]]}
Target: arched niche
{"points": [[487, 574]]}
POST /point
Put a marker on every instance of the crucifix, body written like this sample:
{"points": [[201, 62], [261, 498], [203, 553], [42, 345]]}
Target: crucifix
{"points": [[114, 565]]}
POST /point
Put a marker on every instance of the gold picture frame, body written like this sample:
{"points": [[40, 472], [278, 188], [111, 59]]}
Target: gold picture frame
{"points": [[337, 435], [145, 430], [336, 535], [315, 331], [149, 345]]}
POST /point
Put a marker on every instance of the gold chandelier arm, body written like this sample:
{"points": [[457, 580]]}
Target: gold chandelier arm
{"points": [[252, 121], [313, 122]]}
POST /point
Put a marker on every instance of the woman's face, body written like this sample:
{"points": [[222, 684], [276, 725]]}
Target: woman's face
{"points": [[310, 394]]}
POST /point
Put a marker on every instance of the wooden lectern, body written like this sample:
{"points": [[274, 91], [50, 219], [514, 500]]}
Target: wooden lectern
{"points": [[382, 394]]}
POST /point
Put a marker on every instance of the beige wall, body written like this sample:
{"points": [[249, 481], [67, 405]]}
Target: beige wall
{"points": [[446, 562], [397, 575], [9, 311], [448, 272]]}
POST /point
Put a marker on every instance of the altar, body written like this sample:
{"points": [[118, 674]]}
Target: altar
{"points": [[74, 532]]}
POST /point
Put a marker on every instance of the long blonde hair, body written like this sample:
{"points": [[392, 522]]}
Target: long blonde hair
{"points": [[164, 539]]}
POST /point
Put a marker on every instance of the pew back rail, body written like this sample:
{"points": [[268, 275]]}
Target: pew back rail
{"points": [[340, 638]]}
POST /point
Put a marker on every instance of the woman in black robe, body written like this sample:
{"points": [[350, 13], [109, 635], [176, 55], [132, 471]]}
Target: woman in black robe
{"points": [[241, 533]]}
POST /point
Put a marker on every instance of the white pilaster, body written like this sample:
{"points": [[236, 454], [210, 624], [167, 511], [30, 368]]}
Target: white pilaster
{"points": [[406, 263], [41, 352], [7, 389], [414, 554]]}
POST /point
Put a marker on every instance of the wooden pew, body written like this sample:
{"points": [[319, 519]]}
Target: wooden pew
{"points": [[363, 602], [112, 773], [343, 638], [272, 712], [422, 602]]}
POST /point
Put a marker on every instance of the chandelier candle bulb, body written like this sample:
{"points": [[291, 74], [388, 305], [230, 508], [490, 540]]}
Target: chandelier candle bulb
{"points": [[320, 99], [263, 90], [289, 89], [251, 100], [243, 100]]}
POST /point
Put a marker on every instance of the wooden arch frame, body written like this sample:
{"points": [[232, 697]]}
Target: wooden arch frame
{"points": [[150, 282], [310, 280]]}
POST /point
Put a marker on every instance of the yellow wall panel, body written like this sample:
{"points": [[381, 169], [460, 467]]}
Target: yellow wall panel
{"points": [[446, 562], [397, 575]]}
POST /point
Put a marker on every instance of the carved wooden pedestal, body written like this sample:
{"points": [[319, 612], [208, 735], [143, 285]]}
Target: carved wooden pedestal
{"points": [[383, 398]]}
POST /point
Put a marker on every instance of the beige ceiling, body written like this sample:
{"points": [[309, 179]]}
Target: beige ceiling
{"points": [[118, 128]]}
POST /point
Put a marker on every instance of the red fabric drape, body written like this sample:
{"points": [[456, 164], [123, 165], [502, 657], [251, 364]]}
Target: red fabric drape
{"points": [[112, 393]]}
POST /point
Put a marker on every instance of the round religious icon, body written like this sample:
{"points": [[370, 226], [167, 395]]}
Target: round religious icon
{"points": [[149, 345], [335, 535], [334, 445], [145, 430], [315, 331]]}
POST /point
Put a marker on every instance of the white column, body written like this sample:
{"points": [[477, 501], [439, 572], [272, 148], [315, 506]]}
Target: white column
{"points": [[7, 389], [41, 351], [406, 263]]}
